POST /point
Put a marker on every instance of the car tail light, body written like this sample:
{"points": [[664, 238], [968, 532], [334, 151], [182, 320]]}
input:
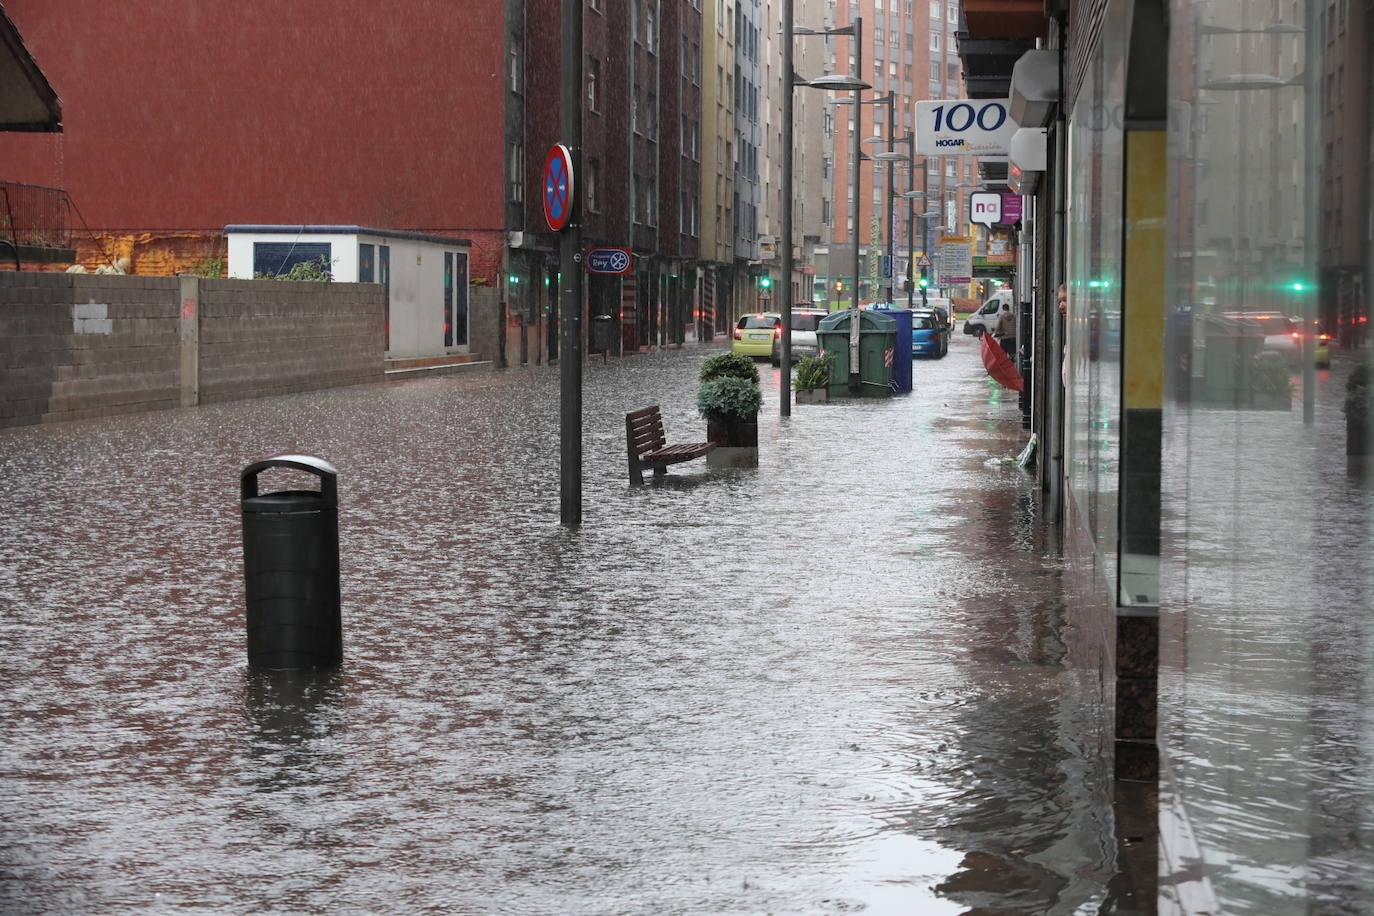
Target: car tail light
{"points": [[777, 332], [737, 334], [1323, 336], [1297, 335]]}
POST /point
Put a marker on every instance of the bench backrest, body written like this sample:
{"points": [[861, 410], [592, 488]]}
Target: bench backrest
{"points": [[644, 430]]}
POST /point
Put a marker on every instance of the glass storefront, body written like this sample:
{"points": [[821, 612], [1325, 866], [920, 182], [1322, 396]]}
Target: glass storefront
{"points": [[1267, 650], [1266, 496]]}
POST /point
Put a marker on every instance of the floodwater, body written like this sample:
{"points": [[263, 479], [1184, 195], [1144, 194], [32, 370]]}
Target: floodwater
{"points": [[841, 682]]}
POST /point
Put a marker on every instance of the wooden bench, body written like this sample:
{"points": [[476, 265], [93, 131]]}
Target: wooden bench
{"points": [[648, 448]]}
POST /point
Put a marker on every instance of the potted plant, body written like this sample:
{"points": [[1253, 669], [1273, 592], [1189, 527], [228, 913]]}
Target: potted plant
{"points": [[729, 399], [1270, 387], [813, 375], [729, 365], [1359, 410], [731, 408]]}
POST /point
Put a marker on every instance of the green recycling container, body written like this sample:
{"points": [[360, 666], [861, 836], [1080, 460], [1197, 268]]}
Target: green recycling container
{"points": [[877, 351]]}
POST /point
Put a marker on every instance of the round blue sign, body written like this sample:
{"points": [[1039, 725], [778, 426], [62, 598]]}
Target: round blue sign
{"points": [[558, 187]]}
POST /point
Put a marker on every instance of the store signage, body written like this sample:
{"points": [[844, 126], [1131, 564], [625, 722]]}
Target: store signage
{"points": [[956, 260], [609, 260], [985, 207], [976, 127]]}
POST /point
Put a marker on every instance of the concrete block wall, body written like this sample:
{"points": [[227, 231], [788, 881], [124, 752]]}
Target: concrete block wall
{"points": [[266, 337], [75, 346]]}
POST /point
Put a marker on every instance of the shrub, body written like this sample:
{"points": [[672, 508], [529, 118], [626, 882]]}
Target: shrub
{"points": [[729, 398], [316, 270], [1359, 396], [813, 372], [1270, 377], [729, 365]]}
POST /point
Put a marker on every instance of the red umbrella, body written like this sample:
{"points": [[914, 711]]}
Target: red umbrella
{"points": [[999, 364]]}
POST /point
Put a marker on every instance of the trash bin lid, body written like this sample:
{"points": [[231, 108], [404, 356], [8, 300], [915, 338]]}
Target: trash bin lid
{"points": [[286, 501]]}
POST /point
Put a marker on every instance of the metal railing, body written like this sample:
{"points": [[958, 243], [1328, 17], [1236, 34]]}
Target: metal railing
{"points": [[35, 216]]}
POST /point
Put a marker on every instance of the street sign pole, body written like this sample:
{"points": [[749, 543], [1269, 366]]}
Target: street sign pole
{"points": [[570, 282]]}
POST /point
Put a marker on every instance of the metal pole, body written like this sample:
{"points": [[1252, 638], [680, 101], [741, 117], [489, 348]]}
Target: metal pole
{"points": [[570, 281], [785, 375], [854, 205], [911, 234], [891, 169]]}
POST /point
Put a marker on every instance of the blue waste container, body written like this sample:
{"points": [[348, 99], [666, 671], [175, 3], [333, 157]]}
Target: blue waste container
{"points": [[901, 368]]}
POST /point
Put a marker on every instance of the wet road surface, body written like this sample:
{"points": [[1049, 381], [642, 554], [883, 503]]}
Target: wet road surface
{"points": [[840, 682]]}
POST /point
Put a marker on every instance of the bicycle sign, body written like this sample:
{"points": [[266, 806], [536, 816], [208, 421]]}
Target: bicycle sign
{"points": [[609, 260], [558, 187], [980, 127]]}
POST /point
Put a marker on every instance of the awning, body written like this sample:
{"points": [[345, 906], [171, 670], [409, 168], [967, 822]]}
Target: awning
{"points": [[27, 100]]}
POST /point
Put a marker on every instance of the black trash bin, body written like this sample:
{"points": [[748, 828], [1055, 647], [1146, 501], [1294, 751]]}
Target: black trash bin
{"points": [[602, 334], [291, 568]]}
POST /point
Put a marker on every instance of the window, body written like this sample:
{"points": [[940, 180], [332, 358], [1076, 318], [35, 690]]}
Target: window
{"points": [[650, 19], [593, 83], [593, 181], [367, 272], [515, 71], [934, 41], [274, 259], [517, 172], [953, 12]]}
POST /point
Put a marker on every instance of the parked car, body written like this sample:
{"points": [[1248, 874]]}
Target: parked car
{"points": [[1282, 334], [940, 306], [755, 332], [1322, 351], [984, 320], [805, 321], [929, 335]]}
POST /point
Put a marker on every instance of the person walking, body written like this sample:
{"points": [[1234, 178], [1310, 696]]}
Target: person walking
{"points": [[1005, 332]]}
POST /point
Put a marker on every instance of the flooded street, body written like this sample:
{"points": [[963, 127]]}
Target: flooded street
{"points": [[841, 682]]}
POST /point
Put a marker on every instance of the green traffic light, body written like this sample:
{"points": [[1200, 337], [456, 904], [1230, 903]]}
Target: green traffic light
{"points": [[514, 279], [765, 282], [924, 283]]}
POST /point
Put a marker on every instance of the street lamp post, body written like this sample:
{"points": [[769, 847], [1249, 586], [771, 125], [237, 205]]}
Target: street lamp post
{"points": [[834, 82], [891, 157]]}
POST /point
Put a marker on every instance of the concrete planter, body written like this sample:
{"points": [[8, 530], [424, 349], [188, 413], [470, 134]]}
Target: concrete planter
{"points": [[736, 440], [812, 396], [733, 432], [733, 457]]}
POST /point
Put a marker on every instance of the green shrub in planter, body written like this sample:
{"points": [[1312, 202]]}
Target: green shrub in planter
{"points": [[1269, 380], [729, 365], [1359, 409], [813, 372], [729, 398]]}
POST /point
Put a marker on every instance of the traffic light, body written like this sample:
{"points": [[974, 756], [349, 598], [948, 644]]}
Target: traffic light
{"points": [[513, 279], [924, 281], [765, 282], [839, 285]]}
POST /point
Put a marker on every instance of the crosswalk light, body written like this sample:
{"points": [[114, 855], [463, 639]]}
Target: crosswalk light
{"points": [[513, 279]]}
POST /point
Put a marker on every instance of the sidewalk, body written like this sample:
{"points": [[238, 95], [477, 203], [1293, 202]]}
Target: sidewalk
{"points": [[842, 680]]}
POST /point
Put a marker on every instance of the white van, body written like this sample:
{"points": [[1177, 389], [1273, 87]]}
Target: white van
{"points": [[984, 321]]}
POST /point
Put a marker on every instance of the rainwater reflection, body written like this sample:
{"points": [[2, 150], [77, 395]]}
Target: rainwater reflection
{"points": [[843, 681]]}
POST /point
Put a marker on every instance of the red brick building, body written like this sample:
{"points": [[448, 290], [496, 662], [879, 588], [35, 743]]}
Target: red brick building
{"points": [[419, 115]]}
